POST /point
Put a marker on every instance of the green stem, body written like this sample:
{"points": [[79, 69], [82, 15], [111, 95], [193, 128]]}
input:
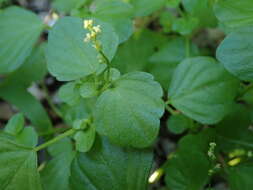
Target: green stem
{"points": [[107, 63], [54, 140], [169, 109], [54, 130], [53, 107]]}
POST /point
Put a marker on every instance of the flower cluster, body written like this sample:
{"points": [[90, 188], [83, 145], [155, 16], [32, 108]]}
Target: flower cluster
{"points": [[210, 152], [91, 36]]}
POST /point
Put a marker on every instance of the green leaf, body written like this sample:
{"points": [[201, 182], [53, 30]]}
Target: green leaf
{"points": [[146, 7], [57, 172], [234, 14], [20, 29], [85, 139], [185, 25], [69, 57], [163, 62], [201, 9], [81, 111], [133, 106], [178, 123], [240, 177], [27, 104], [166, 19], [88, 89], [69, 93], [15, 125], [61, 147], [25, 136], [202, 90], [66, 6], [235, 53], [114, 74], [109, 167], [140, 45], [28, 137], [18, 166], [233, 131], [117, 13], [34, 69], [191, 158]]}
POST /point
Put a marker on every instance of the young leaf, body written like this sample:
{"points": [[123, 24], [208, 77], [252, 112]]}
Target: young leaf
{"points": [[133, 106], [185, 25], [18, 166], [85, 139], [69, 93], [20, 29], [178, 123], [28, 137], [202, 89], [235, 53], [114, 74], [15, 125], [109, 167], [234, 14], [88, 90], [80, 111]]}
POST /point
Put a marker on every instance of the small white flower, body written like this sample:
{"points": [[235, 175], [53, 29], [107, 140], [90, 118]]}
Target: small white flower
{"points": [[210, 152], [88, 37], [93, 34], [87, 24], [97, 29]]}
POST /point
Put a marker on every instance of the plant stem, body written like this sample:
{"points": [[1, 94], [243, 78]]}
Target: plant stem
{"points": [[54, 140], [54, 130], [107, 63], [169, 109], [53, 107]]}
